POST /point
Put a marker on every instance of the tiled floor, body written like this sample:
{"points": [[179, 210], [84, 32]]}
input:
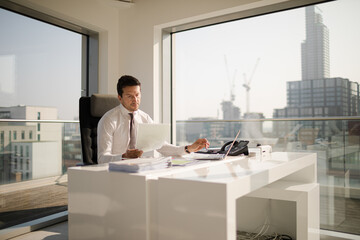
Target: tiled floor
{"points": [[60, 232]]}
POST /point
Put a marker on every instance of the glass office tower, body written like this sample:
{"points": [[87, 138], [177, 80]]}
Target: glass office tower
{"points": [[315, 48], [328, 97]]}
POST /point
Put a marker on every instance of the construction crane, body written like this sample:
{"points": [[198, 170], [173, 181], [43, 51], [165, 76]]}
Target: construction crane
{"points": [[231, 80], [246, 85]]}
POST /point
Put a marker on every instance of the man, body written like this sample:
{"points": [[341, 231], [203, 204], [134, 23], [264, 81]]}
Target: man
{"points": [[114, 129]]}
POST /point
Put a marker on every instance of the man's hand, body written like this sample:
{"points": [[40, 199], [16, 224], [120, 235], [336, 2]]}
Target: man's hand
{"points": [[132, 153], [198, 144]]}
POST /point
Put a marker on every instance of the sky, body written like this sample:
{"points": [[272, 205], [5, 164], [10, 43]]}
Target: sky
{"points": [[214, 61], [40, 65]]}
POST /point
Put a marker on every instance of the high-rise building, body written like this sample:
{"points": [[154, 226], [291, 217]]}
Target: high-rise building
{"points": [[327, 97], [230, 112], [315, 48], [317, 95]]}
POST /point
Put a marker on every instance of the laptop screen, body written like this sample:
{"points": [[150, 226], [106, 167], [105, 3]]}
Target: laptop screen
{"points": [[232, 144]]}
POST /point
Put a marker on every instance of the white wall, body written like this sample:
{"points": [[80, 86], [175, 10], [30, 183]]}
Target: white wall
{"points": [[127, 32]]}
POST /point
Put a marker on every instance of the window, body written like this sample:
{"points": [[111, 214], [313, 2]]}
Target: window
{"points": [[27, 151], [4, 114], [267, 65], [306, 111], [21, 151], [42, 59], [318, 111], [293, 85], [218, 60], [354, 87], [318, 83], [305, 84], [2, 140], [46, 46], [330, 83]]}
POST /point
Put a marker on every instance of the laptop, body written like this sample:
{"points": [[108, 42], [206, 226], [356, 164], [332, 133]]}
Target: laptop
{"points": [[215, 156]]}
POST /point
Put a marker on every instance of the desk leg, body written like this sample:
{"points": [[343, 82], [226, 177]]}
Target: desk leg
{"points": [[293, 209], [189, 210]]}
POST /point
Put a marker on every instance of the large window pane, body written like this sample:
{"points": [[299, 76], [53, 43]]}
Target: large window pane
{"points": [[252, 74], [40, 86], [40, 65]]}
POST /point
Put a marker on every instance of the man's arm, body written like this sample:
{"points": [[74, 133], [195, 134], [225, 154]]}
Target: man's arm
{"points": [[172, 150], [105, 141], [197, 145]]}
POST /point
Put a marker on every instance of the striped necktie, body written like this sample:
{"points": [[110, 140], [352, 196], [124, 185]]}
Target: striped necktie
{"points": [[132, 132]]}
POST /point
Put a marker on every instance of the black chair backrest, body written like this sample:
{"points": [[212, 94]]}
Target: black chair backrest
{"points": [[91, 109]]}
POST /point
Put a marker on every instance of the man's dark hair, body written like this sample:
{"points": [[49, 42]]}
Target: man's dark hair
{"points": [[126, 81]]}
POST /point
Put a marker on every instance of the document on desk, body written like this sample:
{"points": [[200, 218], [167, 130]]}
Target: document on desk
{"points": [[152, 136], [140, 164], [184, 162]]}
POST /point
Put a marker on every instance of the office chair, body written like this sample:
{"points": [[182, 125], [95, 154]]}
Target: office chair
{"points": [[91, 109]]}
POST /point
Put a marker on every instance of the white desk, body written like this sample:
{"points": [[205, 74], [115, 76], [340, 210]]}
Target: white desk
{"points": [[205, 201], [213, 202], [114, 205]]}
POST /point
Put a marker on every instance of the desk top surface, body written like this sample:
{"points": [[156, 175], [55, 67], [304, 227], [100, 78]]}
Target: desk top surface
{"points": [[223, 171], [233, 169]]}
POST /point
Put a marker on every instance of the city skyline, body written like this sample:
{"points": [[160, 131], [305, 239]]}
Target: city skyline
{"points": [[277, 48]]}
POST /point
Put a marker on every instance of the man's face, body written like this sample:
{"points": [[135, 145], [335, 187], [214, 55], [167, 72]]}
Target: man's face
{"points": [[131, 98]]}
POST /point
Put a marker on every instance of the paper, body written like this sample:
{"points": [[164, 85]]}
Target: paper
{"points": [[175, 162], [151, 136], [140, 164]]}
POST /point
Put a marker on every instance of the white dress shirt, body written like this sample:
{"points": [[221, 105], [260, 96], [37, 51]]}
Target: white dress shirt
{"points": [[114, 135]]}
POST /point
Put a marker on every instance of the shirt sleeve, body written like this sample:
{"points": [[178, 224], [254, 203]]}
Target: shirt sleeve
{"points": [[104, 142], [171, 150]]}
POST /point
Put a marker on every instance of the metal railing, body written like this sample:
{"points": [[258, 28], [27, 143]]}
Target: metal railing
{"points": [[336, 140], [34, 157]]}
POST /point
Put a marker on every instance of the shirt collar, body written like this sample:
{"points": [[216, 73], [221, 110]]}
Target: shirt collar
{"points": [[126, 112]]}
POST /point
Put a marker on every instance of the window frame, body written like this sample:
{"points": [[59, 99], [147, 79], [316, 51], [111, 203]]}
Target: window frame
{"points": [[90, 44]]}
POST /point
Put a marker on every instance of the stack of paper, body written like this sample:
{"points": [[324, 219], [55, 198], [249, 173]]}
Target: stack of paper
{"points": [[140, 164]]}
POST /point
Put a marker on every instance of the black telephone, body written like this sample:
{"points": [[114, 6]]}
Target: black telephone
{"points": [[237, 149]]}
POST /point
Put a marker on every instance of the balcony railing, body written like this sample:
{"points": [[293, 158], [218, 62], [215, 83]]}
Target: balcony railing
{"points": [[34, 157], [336, 140], [34, 180]]}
